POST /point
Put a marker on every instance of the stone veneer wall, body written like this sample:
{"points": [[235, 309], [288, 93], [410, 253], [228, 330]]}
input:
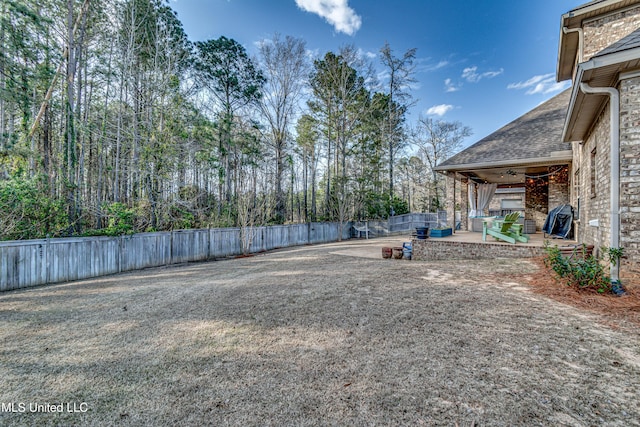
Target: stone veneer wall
{"points": [[537, 200], [558, 186], [630, 170], [435, 249]]}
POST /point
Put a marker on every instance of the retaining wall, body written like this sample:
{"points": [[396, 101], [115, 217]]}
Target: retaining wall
{"points": [[435, 249]]}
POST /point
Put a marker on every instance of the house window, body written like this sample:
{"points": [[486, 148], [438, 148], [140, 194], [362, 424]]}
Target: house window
{"points": [[593, 173]]}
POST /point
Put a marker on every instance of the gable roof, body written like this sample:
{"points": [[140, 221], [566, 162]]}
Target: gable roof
{"points": [[531, 138]]}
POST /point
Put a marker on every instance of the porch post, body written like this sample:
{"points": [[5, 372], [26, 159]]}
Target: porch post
{"points": [[464, 204], [450, 199]]}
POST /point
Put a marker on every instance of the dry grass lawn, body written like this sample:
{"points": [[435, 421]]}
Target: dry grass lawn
{"points": [[317, 335]]}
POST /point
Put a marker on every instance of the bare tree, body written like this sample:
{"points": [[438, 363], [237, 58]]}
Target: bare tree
{"points": [[400, 76], [286, 68], [438, 140]]}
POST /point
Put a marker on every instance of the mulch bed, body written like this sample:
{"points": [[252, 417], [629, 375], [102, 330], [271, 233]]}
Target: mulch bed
{"points": [[619, 310]]}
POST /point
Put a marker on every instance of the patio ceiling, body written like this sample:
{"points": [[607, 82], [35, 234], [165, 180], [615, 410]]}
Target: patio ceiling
{"points": [[505, 176]]}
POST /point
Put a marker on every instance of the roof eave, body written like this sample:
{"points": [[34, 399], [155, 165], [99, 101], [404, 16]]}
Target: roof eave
{"points": [[582, 108], [568, 42], [555, 157], [567, 51]]}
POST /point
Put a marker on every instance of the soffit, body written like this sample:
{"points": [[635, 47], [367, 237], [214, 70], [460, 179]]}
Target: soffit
{"points": [[600, 71]]}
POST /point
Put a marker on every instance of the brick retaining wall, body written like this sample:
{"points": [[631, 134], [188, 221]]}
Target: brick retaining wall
{"points": [[434, 249]]}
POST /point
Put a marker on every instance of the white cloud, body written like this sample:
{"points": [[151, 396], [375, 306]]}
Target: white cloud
{"points": [[367, 54], [471, 74], [335, 12], [435, 67], [449, 86], [439, 110], [543, 83], [425, 65]]}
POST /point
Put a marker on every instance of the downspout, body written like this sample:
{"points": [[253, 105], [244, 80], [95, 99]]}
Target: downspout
{"points": [[580, 41], [614, 136]]}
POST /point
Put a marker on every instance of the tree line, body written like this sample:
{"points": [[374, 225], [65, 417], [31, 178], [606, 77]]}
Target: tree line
{"points": [[112, 121]]}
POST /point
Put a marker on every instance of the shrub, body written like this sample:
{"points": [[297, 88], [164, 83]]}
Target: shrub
{"points": [[27, 211], [120, 219], [579, 270]]}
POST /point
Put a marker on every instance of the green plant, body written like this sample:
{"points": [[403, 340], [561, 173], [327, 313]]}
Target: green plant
{"points": [[120, 219], [614, 254], [28, 211], [578, 270], [554, 260]]}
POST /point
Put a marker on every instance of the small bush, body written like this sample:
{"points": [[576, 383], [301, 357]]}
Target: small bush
{"points": [[579, 270], [27, 211], [120, 219]]}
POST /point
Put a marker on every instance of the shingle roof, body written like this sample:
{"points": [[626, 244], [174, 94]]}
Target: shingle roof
{"points": [[629, 42], [534, 135]]}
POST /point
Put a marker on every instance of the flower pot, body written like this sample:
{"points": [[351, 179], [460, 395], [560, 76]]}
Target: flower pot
{"points": [[386, 253], [398, 253], [422, 233], [444, 232]]}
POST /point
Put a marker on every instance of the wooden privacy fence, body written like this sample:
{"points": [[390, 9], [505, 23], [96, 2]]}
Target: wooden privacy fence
{"points": [[38, 262]]}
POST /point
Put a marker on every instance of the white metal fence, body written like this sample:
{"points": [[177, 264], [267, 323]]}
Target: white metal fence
{"points": [[38, 262], [406, 223]]}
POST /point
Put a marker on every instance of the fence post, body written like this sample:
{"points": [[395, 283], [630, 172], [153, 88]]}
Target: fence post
{"points": [[119, 246], [47, 274]]}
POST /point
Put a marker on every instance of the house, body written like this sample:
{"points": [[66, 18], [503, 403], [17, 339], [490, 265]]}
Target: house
{"points": [[581, 147], [599, 50]]}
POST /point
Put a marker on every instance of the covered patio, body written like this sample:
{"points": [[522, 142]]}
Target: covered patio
{"points": [[524, 166]]}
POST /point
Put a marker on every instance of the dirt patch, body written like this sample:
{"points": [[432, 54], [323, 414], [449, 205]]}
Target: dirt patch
{"points": [[320, 335]]}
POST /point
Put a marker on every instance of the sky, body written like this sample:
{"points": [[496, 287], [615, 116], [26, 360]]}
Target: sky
{"points": [[483, 63]]}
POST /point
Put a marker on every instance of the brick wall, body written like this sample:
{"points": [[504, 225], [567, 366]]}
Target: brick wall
{"points": [[435, 249], [464, 204], [630, 170], [596, 205], [594, 184], [601, 33]]}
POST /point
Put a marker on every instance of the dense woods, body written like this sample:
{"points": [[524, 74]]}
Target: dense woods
{"points": [[112, 121]]}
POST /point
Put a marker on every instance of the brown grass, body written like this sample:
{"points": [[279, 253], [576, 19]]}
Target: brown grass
{"points": [[322, 335]]}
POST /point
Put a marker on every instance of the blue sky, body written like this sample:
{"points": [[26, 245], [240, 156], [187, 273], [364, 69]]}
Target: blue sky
{"points": [[480, 62]]}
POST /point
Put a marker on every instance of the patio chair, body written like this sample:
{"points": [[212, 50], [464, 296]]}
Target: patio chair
{"points": [[362, 229], [506, 229]]}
